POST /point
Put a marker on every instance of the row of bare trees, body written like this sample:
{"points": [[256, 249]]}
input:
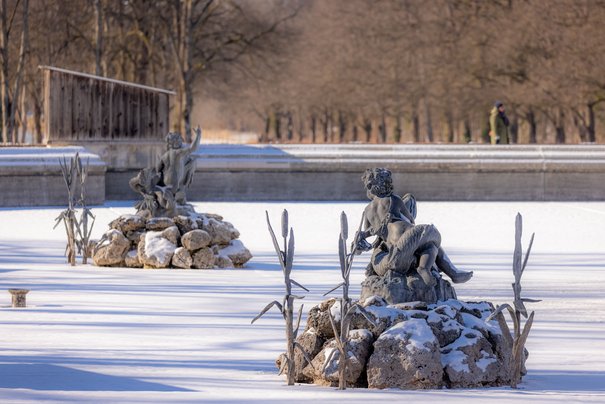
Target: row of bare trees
{"points": [[173, 44], [430, 71], [324, 71]]}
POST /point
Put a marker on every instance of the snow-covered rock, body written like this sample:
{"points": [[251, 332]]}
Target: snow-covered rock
{"points": [[155, 251], [358, 351], [417, 345], [111, 249], [126, 223], [406, 356], [236, 252]]}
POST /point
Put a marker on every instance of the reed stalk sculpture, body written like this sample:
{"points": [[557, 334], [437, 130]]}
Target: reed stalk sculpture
{"points": [[84, 230], [347, 308], [69, 171], [517, 338], [286, 307]]}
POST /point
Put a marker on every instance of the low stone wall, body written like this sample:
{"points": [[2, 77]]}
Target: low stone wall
{"points": [[31, 176], [430, 172]]}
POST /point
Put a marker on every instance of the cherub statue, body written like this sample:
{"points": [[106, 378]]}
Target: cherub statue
{"points": [[164, 187], [401, 245]]}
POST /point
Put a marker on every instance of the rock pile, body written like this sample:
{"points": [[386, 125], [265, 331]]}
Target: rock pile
{"points": [[413, 346], [198, 241]]}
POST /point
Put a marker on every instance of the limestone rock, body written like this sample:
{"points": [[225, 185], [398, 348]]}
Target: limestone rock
{"points": [[222, 261], [155, 251], [182, 258], [358, 350], [185, 223], [111, 249], [135, 236], [221, 232], [159, 223], [406, 356], [318, 318], [469, 361], [312, 344], [237, 253], [132, 259], [203, 259], [171, 234], [127, 223], [196, 239]]}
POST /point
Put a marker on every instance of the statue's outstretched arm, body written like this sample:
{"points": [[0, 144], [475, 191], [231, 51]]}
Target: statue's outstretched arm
{"points": [[196, 142]]}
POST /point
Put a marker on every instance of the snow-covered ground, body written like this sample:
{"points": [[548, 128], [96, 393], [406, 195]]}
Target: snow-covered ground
{"points": [[132, 335]]}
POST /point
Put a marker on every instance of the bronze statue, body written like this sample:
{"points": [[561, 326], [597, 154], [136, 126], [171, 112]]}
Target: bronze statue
{"points": [[164, 187], [401, 245]]}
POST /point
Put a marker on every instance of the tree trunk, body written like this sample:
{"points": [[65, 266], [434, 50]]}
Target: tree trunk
{"points": [[278, 137], [326, 126], [560, 127], [429, 122], [514, 129], [467, 131], [367, 128], [591, 128], [531, 120], [398, 128], [382, 129], [313, 128], [99, 36], [342, 127], [416, 124], [289, 127], [4, 63], [17, 90]]}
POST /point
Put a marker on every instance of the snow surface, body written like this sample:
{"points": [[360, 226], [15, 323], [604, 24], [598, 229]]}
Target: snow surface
{"points": [[121, 335]]}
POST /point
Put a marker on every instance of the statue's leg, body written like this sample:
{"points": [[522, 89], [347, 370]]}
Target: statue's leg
{"points": [[428, 254], [447, 267]]}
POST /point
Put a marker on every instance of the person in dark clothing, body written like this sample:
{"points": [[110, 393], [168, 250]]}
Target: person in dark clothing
{"points": [[498, 125]]}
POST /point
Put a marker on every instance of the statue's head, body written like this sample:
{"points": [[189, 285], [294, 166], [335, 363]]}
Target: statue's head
{"points": [[174, 140], [378, 182]]}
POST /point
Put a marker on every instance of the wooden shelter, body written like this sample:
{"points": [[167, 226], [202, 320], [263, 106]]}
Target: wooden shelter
{"points": [[81, 108]]}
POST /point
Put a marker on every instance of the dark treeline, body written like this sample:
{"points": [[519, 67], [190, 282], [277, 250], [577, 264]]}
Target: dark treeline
{"points": [[382, 71]]}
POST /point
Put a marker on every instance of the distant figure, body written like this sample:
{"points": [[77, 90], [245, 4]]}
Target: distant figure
{"points": [[498, 124]]}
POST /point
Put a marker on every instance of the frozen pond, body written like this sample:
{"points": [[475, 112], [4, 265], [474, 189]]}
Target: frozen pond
{"points": [[132, 335]]}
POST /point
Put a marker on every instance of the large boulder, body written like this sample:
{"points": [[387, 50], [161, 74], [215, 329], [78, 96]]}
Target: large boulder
{"points": [[221, 232], [155, 251], [111, 250], [358, 350], [172, 234], [406, 356], [312, 343], [196, 239], [185, 223], [159, 223], [236, 252], [203, 259], [132, 259], [128, 223], [182, 258]]}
